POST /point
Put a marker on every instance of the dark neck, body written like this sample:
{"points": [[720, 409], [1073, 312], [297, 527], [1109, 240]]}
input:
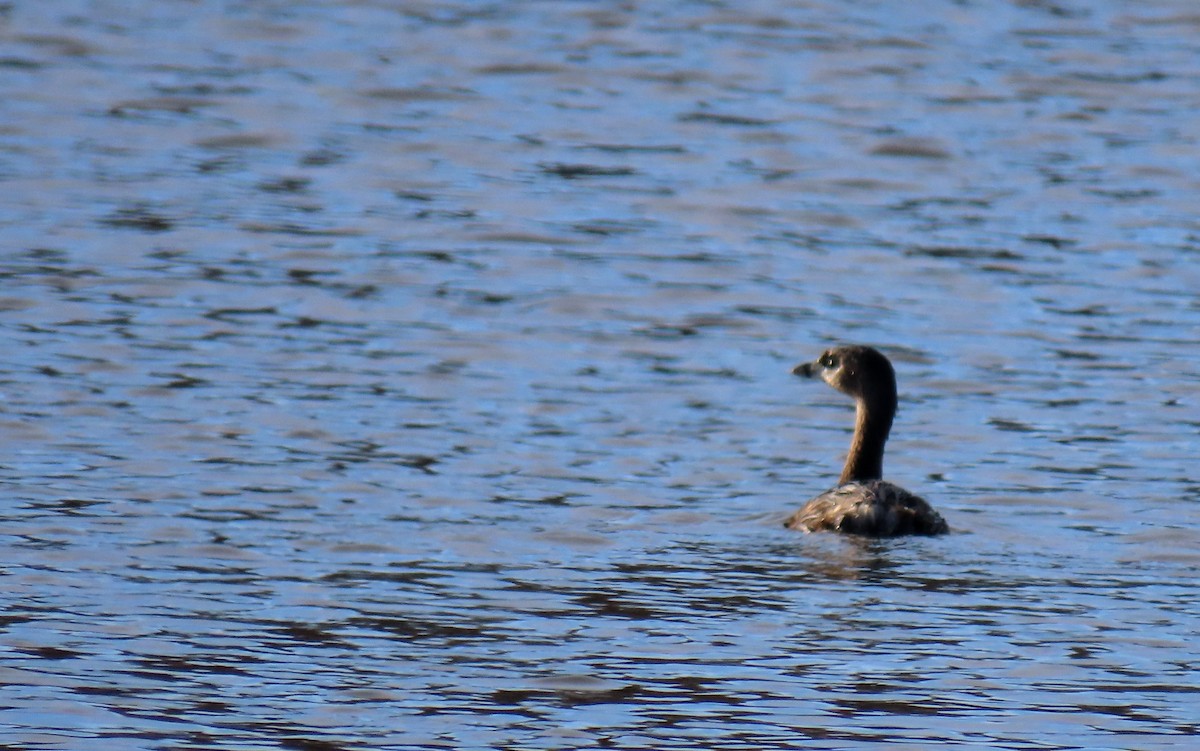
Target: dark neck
{"points": [[872, 424]]}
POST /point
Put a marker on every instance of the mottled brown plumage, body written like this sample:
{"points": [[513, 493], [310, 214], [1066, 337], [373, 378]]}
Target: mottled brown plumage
{"points": [[863, 503]]}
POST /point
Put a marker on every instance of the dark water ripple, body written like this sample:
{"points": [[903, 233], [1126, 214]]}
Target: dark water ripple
{"points": [[415, 375]]}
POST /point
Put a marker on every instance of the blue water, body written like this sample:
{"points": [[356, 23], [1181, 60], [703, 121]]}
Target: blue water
{"points": [[415, 375]]}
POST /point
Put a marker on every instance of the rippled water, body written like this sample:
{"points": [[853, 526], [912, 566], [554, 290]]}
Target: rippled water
{"points": [[415, 374]]}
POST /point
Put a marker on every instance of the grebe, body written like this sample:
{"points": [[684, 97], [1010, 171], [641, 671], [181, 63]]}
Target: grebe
{"points": [[863, 503]]}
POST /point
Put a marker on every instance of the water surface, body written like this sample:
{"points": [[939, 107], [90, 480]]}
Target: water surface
{"points": [[397, 375]]}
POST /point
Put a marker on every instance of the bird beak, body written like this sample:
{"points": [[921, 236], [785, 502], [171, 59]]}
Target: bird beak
{"points": [[806, 370]]}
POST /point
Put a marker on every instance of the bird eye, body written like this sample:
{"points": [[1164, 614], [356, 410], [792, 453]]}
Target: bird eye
{"points": [[828, 361]]}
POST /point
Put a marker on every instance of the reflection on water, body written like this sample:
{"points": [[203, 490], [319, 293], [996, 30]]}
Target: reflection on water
{"points": [[416, 375]]}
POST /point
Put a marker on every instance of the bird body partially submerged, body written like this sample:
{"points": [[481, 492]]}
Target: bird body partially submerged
{"points": [[863, 502], [873, 507]]}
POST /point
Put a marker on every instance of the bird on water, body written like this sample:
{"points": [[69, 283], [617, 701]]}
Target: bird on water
{"points": [[863, 502]]}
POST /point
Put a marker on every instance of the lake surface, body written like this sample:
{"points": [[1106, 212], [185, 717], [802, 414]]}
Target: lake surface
{"points": [[416, 374]]}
